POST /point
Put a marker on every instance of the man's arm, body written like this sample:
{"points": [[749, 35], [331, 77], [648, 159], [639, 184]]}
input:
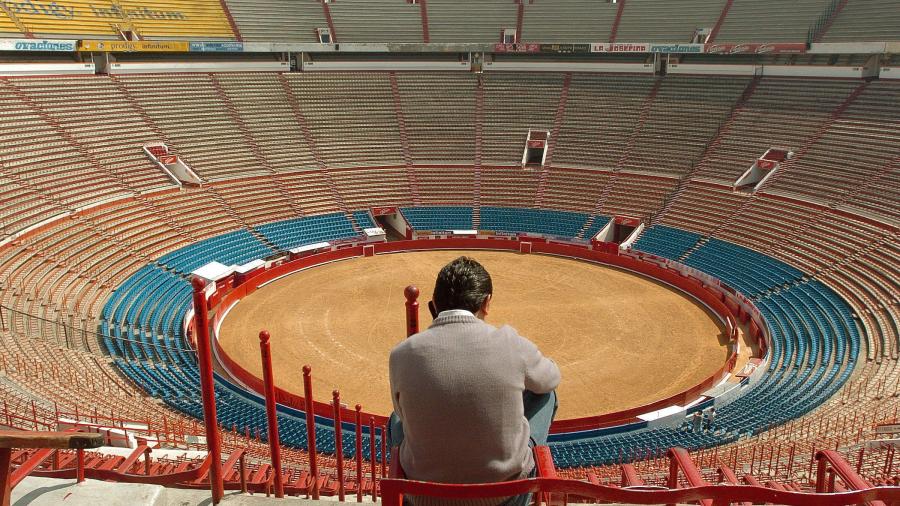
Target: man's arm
{"points": [[392, 373], [541, 374]]}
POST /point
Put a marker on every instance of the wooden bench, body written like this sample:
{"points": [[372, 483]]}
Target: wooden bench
{"points": [[46, 442]]}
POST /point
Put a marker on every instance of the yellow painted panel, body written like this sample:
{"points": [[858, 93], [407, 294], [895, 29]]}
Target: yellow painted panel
{"points": [[201, 18], [175, 18], [6, 24]]}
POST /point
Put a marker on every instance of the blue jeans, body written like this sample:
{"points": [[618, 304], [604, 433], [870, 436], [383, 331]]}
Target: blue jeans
{"points": [[540, 409]]}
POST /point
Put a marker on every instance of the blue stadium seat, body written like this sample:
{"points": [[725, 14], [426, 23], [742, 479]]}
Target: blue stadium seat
{"points": [[439, 218]]}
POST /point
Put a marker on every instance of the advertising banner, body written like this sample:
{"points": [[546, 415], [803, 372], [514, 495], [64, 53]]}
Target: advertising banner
{"points": [[565, 48], [138, 46], [677, 48], [757, 48], [217, 47], [617, 47], [37, 45], [517, 48]]}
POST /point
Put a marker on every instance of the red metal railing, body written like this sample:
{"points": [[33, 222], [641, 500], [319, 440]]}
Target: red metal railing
{"points": [[392, 491]]}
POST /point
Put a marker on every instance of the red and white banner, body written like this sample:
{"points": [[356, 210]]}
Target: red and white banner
{"points": [[537, 143], [757, 48], [168, 159], [382, 211], [765, 164], [628, 221]]}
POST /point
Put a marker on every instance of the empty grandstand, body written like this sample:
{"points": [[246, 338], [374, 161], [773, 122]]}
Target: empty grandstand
{"points": [[416, 136]]}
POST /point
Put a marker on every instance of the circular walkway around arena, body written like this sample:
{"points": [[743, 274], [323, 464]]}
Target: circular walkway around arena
{"points": [[621, 340]]}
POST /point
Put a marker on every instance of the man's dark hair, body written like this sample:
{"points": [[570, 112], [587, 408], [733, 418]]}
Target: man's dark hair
{"points": [[462, 284]]}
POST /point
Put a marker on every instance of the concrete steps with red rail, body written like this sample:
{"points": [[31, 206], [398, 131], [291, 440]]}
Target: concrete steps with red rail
{"points": [[715, 31], [823, 128], [313, 147], [614, 30], [554, 136], [820, 33], [423, 11], [738, 107], [251, 141], [404, 140], [479, 146]]}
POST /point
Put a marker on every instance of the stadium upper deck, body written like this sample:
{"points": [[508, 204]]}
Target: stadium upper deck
{"points": [[482, 21]]}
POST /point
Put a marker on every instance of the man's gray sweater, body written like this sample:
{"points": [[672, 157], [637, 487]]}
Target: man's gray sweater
{"points": [[457, 388]]}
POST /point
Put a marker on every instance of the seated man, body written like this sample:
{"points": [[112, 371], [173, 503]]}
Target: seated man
{"points": [[470, 400]]}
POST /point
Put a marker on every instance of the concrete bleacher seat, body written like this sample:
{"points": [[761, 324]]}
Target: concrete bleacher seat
{"points": [[662, 21], [373, 186], [781, 112], [76, 266], [865, 20], [859, 145], [263, 105], [602, 111], [567, 21], [269, 20], [678, 111], [440, 126], [513, 104], [343, 136], [215, 151], [445, 185], [469, 20], [636, 195], [368, 21], [574, 189], [770, 20], [111, 137], [508, 186]]}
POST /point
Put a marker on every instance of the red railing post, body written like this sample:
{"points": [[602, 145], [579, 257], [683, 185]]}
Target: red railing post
{"points": [[384, 451], [207, 389], [412, 310], [338, 442], [373, 445], [359, 473], [271, 413], [79, 466], [242, 465], [147, 461], [680, 459], [5, 479], [311, 431], [820, 475]]}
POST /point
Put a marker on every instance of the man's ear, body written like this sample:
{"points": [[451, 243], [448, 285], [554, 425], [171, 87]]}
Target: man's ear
{"points": [[485, 306], [431, 308]]}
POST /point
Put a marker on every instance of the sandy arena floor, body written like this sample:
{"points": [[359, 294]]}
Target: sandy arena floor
{"points": [[621, 340]]}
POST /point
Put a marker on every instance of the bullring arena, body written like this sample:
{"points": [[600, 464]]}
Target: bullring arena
{"points": [[693, 207], [621, 340]]}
